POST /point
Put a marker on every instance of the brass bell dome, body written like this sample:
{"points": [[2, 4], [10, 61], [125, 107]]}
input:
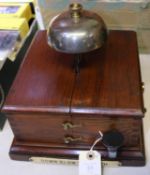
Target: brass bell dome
{"points": [[76, 31]]}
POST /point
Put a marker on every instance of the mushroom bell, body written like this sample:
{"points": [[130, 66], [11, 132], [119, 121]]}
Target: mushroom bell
{"points": [[76, 31]]}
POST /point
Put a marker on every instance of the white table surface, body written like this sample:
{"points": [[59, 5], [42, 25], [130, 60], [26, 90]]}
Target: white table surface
{"points": [[10, 167]]}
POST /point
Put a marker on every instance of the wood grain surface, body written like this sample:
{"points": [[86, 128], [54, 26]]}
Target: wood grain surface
{"points": [[45, 80], [110, 80], [105, 94]]}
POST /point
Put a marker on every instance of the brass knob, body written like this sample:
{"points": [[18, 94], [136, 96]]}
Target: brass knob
{"points": [[69, 139], [75, 10], [69, 125], [143, 86]]}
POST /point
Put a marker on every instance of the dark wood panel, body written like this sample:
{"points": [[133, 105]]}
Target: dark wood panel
{"points": [[50, 129], [110, 78], [39, 128], [108, 82], [45, 79], [91, 125]]}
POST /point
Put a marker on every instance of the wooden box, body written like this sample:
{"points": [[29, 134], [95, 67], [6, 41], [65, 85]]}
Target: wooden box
{"points": [[106, 94]]}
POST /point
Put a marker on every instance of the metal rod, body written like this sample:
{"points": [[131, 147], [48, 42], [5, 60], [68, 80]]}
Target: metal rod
{"points": [[78, 58]]}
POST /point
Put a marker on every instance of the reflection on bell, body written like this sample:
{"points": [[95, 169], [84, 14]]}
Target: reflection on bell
{"points": [[76, 31]]}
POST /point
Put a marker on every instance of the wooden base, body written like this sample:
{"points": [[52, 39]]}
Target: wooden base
{"points": [[127, 156]]}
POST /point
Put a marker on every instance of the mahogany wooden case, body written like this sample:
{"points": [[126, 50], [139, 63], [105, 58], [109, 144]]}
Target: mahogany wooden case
{"points": [[105, 95]]}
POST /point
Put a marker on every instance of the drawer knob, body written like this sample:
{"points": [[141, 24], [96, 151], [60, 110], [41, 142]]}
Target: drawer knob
{"points": [[70, 139], [69, 125]]}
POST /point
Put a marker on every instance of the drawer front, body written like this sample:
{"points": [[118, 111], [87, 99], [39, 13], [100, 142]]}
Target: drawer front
{"points": [[90, 127], [79, 130], [39, 128]]}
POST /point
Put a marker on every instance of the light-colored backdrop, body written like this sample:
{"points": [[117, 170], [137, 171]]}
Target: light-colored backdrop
{"points": [[119, 14]]}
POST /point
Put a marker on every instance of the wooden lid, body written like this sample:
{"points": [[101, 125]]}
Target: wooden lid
{"points": [[108, 81]]}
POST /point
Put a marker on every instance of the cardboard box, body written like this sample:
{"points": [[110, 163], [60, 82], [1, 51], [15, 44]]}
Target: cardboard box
{"points": [[19, 10], [19, 24]]}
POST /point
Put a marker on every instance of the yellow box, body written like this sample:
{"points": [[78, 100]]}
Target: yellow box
{"points": [[19, 24], [19, 10]]}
